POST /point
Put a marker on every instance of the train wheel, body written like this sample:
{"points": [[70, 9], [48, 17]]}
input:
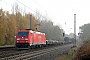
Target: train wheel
{"points": [[40, 46]]}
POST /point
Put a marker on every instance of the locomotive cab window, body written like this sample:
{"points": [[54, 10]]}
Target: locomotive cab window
{"points": [[22, 33]]}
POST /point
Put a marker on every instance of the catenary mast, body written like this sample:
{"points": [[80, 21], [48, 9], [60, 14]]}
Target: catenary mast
{"points": [[74, 29]]}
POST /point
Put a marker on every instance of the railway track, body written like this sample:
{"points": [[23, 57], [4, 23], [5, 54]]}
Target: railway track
{"points": [[30, 55], [7, 48], [12, 51]]}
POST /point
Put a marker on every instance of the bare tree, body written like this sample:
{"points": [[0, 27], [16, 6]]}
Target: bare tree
{"points": [[38, 15]]}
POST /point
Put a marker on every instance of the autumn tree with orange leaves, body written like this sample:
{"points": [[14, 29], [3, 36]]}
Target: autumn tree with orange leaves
{"points": [[10, 23]]}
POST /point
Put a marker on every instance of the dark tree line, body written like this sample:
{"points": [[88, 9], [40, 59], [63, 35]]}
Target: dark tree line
{"points": [[85, 31], [52, 32]]}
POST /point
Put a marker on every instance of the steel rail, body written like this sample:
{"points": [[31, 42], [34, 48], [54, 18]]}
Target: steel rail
{"points": [[33, 54]]}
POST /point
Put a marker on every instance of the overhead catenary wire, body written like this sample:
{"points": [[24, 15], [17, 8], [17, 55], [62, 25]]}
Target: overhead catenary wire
{"points": [[30, 8], [20, 3], [44, 10], [40, 6], [6, 3], [25, 6]]}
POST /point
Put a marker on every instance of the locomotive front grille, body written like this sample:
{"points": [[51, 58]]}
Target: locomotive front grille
{"points": [[22, 45]]}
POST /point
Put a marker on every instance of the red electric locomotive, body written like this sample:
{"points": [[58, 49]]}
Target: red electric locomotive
{"points": [[28, 38]]}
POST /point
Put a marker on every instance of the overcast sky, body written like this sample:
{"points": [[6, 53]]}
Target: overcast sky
{"points": [[59, 11]]}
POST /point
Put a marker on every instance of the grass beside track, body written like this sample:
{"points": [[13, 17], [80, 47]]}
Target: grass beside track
{"points": [[6, 46], [69, 55]]}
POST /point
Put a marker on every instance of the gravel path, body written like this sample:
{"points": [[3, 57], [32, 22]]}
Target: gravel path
{"points": [[53, 55]]}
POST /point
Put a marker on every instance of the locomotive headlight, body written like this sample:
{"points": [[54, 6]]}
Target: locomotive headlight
{"points": [[26, 38], [18, 38], [26, 41], [17, 41]]}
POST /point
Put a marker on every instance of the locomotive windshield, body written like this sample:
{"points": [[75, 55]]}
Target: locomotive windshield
{"points": [[22, 33]]}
